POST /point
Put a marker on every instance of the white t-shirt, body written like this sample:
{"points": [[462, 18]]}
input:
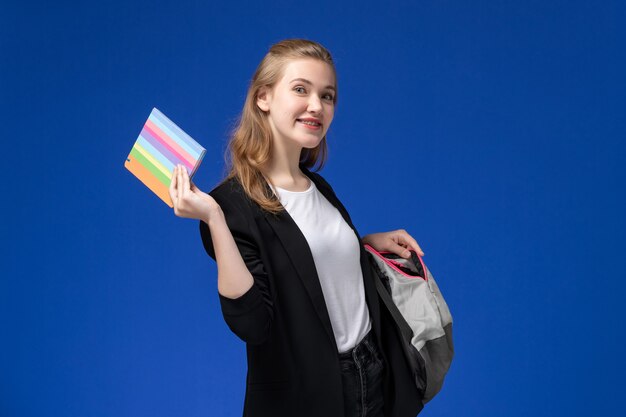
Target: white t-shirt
{"points": [[336, 253]]}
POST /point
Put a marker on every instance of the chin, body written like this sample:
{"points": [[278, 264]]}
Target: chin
{"points": [[312, 141], [310, 144]]}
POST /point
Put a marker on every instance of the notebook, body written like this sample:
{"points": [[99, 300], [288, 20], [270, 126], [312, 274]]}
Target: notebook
{"points": [[162, 145]]}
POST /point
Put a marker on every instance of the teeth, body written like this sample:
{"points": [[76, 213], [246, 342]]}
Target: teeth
{"points": [[310, 123]]}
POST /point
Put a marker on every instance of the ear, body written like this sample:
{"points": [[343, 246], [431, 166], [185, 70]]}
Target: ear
{"points": [[262, 98]]}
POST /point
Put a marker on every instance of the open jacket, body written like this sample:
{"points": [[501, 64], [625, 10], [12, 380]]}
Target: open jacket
{"points": [[293, 364]]}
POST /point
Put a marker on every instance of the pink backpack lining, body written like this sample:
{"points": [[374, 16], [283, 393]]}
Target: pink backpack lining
{"points": [[396, 265]]}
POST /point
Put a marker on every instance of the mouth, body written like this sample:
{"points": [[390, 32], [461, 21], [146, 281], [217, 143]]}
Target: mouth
{"points": [[310, 124]]}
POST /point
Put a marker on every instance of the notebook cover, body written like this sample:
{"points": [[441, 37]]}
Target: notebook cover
{"points": [[162, 145]]}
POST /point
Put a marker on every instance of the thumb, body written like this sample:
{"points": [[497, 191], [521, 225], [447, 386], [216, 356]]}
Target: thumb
{"points": [[400, 250]]}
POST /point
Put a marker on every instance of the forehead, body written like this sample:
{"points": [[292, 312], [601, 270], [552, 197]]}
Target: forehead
{"points": [[316, 71]]}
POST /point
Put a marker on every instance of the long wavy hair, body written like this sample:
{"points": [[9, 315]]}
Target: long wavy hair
{"points": [[250, 145]]}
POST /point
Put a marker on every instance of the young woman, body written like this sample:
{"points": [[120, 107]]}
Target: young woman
{"points": [[293, 280]]}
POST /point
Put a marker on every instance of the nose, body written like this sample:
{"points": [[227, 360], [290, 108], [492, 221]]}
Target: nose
{"points": [[315, 104]]}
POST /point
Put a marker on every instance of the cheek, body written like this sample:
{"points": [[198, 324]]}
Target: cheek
{"points": [[330, 114], [290, 110], [288, 118]]}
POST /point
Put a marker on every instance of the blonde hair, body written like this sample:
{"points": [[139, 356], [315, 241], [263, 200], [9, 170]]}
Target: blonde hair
{"points": [[250, 145]]}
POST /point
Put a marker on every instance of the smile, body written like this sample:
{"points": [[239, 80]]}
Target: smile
{"points": [[310, 125]]}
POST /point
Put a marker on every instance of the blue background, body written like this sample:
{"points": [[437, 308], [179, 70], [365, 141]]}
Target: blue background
{"points": [[492, 131]]}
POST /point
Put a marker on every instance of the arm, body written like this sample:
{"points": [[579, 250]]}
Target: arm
{"points": [[248, 309], [233, 277], [241, 279], [397, 241]]}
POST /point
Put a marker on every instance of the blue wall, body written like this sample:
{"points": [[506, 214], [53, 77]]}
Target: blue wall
{"points": [[494, 130]]}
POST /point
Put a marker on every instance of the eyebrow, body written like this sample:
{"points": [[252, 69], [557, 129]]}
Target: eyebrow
{"points": [[304, 80]]}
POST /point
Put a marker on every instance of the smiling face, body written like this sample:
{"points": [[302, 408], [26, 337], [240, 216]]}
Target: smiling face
{"points": [[300, 106]]}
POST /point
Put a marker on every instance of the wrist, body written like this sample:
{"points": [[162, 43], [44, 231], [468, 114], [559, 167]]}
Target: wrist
{"points": [[215, 215]]}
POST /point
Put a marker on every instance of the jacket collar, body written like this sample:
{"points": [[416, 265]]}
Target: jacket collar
{"points": [[299, 252]]}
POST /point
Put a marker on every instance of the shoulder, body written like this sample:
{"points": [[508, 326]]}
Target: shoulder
{"points": [[228, 188], [231, 196], [235, 203]]}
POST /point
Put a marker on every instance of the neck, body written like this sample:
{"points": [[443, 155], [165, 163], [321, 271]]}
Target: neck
{"points": [[283, 169]]}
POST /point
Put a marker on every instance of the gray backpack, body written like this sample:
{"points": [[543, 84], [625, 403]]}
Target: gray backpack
{"points": [[410, 293]]}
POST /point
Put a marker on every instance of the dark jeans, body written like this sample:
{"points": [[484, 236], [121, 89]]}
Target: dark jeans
{"points": [[362, 376]]}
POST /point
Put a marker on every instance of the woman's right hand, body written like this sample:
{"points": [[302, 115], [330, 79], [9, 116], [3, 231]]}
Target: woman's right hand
{"points": [[188, 200]]}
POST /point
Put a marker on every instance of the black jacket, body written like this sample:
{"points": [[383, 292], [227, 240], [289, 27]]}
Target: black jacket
{"points": [[293, 364]]}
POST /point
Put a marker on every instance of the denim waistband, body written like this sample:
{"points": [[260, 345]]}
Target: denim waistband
{"points": [[366, 347]]}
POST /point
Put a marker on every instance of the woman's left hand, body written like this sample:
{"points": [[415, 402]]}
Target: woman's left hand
{"points": [[397, 241]]}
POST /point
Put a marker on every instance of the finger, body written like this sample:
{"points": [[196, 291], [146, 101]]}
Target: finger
{"points": [[399, 250], [413, 243], [196, 190], [407, 239], [185, 179], [172, 189], [179, 180]]}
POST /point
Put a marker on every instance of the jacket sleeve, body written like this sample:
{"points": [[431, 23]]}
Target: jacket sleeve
{"points": [[250, 315]]}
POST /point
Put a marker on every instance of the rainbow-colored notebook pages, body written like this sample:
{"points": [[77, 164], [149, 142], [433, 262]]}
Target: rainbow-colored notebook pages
{"points": [[162, 145]]}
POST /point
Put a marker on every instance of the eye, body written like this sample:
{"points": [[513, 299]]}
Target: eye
{"points": [[301, 89]]}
